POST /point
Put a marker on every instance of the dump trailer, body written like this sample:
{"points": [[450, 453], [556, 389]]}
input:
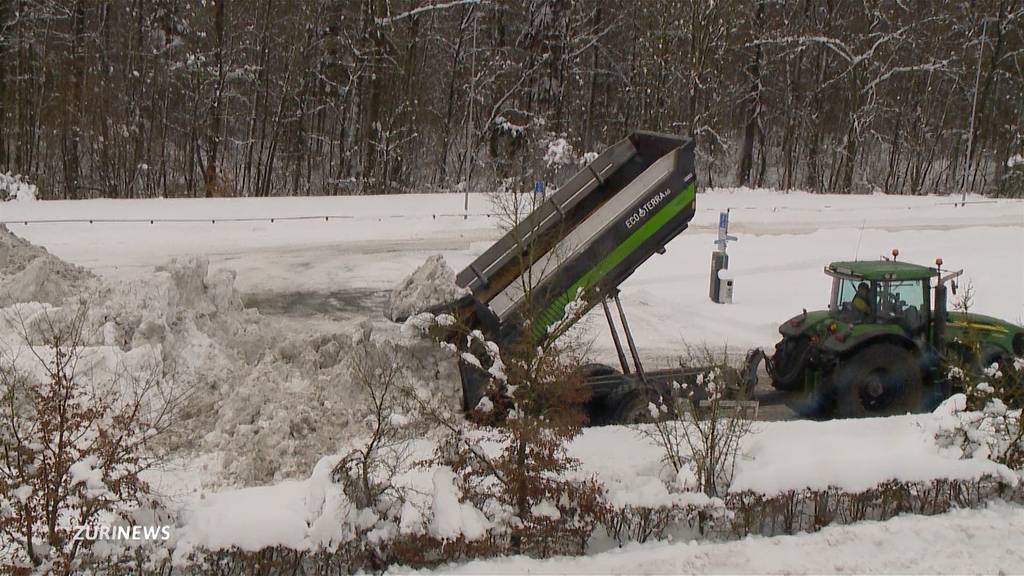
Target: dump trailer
{"points": [[580, 244]]}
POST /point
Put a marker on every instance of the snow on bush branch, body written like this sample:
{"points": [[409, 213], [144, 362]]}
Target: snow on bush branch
{"points": [[985, 420], [16, 187]]}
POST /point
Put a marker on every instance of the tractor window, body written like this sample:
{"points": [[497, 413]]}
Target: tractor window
{"points": [[847, 302], [847, 288], [896, 299]]}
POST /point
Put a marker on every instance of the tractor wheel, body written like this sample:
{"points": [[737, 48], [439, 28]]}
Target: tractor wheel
{"points": [[990, 356], [789, 361], [812, 404], [880, 380]]}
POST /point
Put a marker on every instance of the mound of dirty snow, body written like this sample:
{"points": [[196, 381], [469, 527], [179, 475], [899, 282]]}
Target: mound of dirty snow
{"points": [[432, 284], [265, 398], [28, 273]]}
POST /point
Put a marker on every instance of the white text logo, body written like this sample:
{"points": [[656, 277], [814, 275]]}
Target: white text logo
{"points": [[642, 211], [122, 532]]}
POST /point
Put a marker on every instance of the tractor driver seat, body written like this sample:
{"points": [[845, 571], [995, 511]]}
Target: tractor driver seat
{"points": [[913, 320]]}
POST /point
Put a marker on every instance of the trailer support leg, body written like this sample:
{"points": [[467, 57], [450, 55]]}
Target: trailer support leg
{"points": [[629, 340], [615, 338]]}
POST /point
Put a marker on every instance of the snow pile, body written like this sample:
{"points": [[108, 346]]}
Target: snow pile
{"points": [[267, 400], [432, 284], [1015, 160], [249, 518], [14, 187], [28, 273]]}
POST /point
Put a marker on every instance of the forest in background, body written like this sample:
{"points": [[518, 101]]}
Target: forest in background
{"points": [[188, 98]]}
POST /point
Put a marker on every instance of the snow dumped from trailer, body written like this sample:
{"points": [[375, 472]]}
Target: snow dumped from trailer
{"points": [[265, 400], [429, 286]]}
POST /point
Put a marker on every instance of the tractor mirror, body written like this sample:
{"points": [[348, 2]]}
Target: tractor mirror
{"points": [[953, 284]]}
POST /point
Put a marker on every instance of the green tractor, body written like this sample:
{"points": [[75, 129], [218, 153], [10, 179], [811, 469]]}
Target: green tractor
{"points": [[879, 348]]}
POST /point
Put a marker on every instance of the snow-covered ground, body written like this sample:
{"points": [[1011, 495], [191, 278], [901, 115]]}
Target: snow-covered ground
{"points": [[961, 542], [853, 456], [275, 404]]}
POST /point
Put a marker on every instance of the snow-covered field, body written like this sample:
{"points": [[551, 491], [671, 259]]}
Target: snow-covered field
{"points": [[275, 405], [342, 266]]}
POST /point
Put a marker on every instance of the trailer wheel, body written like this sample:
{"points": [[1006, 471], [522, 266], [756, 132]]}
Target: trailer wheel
{"points": [[602, 381], [880, 380], [595, 369], [789, 361], [633, 408]]}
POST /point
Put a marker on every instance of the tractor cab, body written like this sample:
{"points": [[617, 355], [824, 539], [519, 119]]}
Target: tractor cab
{"points": [[882, 292]]}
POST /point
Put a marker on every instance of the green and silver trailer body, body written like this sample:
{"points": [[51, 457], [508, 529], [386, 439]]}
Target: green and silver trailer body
{"points": [[594, 258], [585, 240], [538, 232]]}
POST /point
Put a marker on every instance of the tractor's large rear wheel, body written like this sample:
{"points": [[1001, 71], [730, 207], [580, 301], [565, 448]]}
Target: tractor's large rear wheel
{"points": [[880, 380]]}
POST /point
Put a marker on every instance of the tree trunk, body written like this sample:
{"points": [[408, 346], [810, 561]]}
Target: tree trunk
{"points": [[211, 177], [752, 106], [73, 105], [5, 40]]}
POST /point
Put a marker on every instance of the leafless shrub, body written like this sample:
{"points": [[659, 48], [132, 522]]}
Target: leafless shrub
{"points": [[368, 470], [73, 448], [964, 300], [699, 428], [531, 410], [642, 523]]}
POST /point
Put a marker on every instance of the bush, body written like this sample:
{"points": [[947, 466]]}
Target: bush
{"points": [[699, 429], [72, 451]]}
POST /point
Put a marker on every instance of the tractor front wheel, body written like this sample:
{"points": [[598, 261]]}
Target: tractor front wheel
{"points": [[880, 380], [789, 362]]}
